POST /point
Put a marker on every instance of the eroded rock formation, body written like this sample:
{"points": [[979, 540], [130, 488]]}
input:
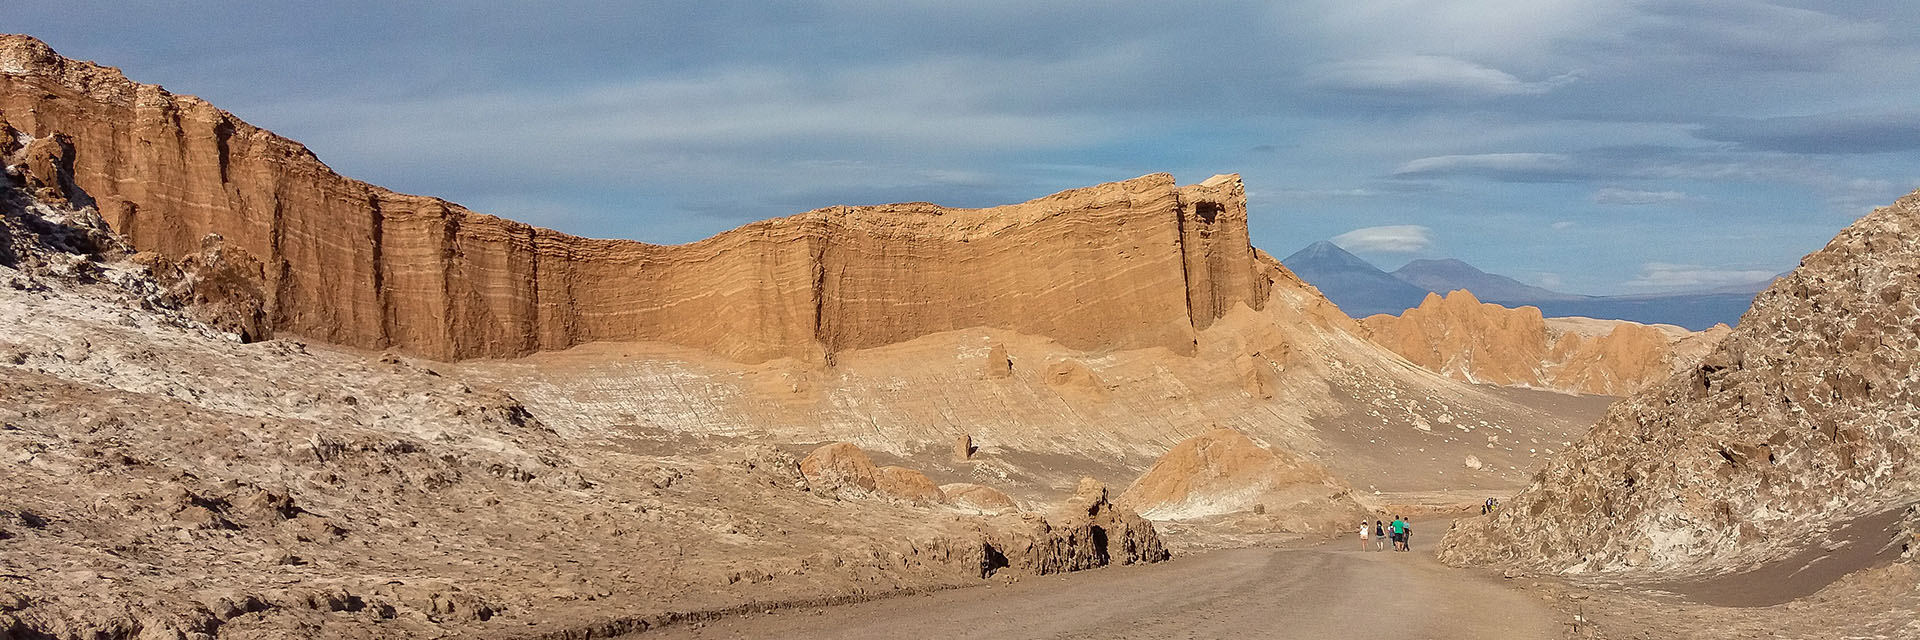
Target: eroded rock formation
{"points": [[1468, 340], [1805, 417], [1131, 264], [1224, 471], [979, 497]]}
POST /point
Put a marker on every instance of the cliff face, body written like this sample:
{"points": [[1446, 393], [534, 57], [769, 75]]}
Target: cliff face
{"points": [[1807, 416], [1472, 341], [1132, 264]]}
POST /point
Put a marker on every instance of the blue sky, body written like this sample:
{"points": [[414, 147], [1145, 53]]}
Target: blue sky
{"points": [[1595, 146]]}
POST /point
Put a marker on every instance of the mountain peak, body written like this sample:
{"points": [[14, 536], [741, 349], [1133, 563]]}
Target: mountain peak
{"points": [[1435, 264], [1326, 252], [1355, 285]]}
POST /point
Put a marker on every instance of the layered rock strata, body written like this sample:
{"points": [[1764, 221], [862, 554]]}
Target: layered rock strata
{"points": [[1806, 417], [1471, 341], [1132, 264]]}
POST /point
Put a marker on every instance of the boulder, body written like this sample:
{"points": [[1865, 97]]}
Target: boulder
{"points": [[979, 497], [840, 466], [999, 364], [1224, 471], [907, 484]]}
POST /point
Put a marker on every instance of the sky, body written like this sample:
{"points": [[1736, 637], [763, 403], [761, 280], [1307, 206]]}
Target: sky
{"points": [[1591, 146]]}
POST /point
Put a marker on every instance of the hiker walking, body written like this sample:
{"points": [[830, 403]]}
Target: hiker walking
{"points": [[1399, 531], [1365, 530], [1379, 536]]}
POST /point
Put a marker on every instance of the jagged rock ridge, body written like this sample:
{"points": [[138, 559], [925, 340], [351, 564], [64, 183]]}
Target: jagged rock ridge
{"points": [[1131, 264], [1807, 416], [1473, 341]]}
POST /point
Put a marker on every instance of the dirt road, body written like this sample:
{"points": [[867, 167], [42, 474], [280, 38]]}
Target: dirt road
{"points": [[1329, 591]]}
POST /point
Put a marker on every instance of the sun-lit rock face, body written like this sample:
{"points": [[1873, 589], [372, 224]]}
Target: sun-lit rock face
{"points": [[1468, 340], [1132, 264], [1223, 471], [1804, 417]]}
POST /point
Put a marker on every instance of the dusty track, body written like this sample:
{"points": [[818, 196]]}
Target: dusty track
{"points": [[1332, 590]]}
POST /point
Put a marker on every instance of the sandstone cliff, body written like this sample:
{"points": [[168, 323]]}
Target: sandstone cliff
{"points": [[1807, 416], [1131, 264], [1472, 341]]}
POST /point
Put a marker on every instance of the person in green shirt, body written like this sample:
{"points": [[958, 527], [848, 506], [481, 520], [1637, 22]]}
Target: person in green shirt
{"points": [[1399, 531]]}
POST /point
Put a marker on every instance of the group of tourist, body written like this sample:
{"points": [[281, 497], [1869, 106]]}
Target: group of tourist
{"points": [[1376, 536]]}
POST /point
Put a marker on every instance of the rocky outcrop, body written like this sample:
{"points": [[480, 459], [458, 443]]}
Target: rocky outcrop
{"points": [[1468, 340], [1130, 264], [979, 497], [907, 484], [840, 466], [1224, 471], [1805, 417], [1090, 531], [844, 469]]}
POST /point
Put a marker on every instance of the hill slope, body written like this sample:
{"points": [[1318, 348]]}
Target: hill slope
{"points": [[1806, 417]]}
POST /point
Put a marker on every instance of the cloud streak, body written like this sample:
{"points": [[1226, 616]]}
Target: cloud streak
{"points": [[1438, 76], [1660, 275], [1401, 238], [1619, 196], [1834, 133]]}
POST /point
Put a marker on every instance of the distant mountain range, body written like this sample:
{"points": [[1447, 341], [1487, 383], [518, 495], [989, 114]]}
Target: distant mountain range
{"points": [[1361, 289], [1358, 287]]}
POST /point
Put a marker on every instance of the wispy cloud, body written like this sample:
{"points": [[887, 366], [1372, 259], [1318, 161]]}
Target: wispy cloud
{"points": [[1833, 133], [1400, 238], [1660, 275], [1430, 76], [1619, 196], [1517, 167]]}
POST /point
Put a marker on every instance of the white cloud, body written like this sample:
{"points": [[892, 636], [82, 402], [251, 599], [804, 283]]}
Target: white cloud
{"points": [[1549, 280], [1661, 275], [1619, 196], [1563, 225], [1514, 166], [1400, 238], [1430, 75], [1318, 194]]}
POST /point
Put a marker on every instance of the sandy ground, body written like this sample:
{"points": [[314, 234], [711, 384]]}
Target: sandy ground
{"points": [[1324, 591]]}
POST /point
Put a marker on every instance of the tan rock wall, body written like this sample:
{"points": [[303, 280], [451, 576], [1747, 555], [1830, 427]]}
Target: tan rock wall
{"points": [[1131, 264]]}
